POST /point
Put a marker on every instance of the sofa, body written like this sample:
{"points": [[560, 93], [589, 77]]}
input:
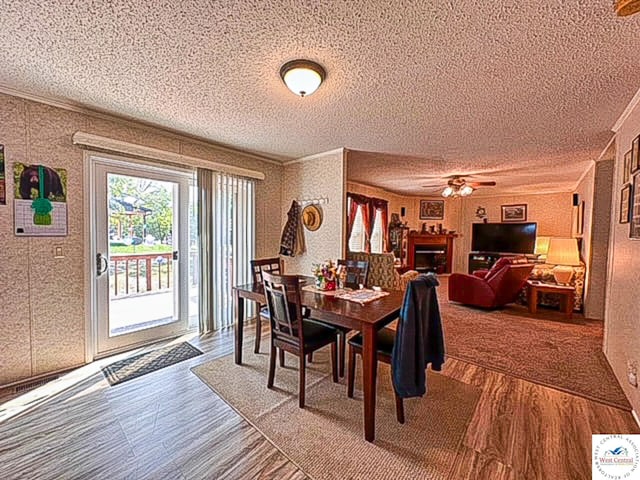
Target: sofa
{"points": [[382, 272], [492, 288]]}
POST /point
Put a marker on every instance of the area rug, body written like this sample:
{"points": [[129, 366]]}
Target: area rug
{"points": [[326, 438], [138, 365], [546, 349]]}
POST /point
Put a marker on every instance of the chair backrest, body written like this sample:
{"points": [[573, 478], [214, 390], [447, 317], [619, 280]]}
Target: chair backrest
{"points": [[283, 294], [271, 265], [356, 272], [508, 282], [381, 272]]}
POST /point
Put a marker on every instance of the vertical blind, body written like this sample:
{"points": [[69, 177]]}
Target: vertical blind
{"points": [[227, 244]]}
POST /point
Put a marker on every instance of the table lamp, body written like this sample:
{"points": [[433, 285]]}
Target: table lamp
{"points": [[542, 248], [563, 253]]}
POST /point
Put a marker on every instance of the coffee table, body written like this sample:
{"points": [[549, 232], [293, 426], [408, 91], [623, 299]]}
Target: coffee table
{"points": [[566, 293]]}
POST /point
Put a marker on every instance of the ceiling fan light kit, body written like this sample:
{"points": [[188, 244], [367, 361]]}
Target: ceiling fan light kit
{"points": [[459, 187], [627, 7], [302, 77]]}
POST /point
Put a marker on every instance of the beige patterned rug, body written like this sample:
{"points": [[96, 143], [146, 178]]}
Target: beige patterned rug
{"points": [[325, 439]]}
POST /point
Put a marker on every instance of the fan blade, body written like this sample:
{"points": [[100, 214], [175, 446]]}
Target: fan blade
{"points": [[481, 184], [432, 185]]}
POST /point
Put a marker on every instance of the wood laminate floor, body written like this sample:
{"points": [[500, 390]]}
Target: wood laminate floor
{"points": [[168, 424]]}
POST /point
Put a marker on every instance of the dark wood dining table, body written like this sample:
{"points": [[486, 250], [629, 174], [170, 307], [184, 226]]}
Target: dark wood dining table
{"points": [[367, 318]]}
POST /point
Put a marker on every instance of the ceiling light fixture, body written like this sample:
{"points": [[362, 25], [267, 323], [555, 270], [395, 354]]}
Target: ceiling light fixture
{"points": [[466, 190], [302, 77], [457, 190]]}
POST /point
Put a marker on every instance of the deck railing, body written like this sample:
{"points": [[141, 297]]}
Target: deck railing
{"points": [[133, 273]]}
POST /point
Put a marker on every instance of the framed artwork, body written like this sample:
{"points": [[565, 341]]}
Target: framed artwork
{"points": [[626, 167], [431, 209], [635, 155], [625, 199], [514, 213], [634, 209], [40, 201]]}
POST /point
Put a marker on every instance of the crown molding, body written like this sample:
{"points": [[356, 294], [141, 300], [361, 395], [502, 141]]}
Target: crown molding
{"points": [[627, 111], [106, 115]]}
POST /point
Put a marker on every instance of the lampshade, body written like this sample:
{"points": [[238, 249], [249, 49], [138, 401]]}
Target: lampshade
{"points": [[542, 245], [447, 192], [302, 77], [466, 190], [563, 251]]}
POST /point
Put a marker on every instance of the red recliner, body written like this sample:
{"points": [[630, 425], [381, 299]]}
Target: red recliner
{"points": [[490, 289]]}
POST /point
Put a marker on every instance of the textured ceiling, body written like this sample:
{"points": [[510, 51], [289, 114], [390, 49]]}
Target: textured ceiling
{"points": [[531, 87]]}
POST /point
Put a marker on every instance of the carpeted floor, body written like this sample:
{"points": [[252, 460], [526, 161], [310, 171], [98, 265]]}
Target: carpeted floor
{"points": [[325, 439], [545, 349]]}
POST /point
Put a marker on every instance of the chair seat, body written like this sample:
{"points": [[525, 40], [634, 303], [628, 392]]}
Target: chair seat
{"points": [[386, 339], [316, 334]]}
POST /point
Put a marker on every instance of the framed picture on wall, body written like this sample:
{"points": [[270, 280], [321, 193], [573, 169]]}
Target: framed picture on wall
{"points": [[634, 209], [625, 199], [431, 209], [635, 155], [514, 213], [626, 167]]}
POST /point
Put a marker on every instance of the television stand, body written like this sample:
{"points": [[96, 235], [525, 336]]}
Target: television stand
{"points": [[484, 261]]}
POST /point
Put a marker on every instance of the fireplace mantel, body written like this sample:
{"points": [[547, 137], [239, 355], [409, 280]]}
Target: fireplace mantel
{"points": [[432, 242]]}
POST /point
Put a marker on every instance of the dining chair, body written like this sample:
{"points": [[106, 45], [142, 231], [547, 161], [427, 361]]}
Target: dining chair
{"points": [[356, 276], [420, 313], [270, 265], [356, 272], [386, 339], [291, 332]]}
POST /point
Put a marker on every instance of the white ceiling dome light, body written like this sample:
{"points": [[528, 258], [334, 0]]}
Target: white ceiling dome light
{"points": [[302, 77]]}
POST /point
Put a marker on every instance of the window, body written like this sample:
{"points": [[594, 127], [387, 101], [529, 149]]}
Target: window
{"points": [[376, 235], [358, 237], [356, 241]]}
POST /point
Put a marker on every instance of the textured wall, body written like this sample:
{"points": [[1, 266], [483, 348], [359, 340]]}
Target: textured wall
{"points": [[585, 190], [595, 189], [42, 313], [551, 211], [622, 317], [318, 176]]}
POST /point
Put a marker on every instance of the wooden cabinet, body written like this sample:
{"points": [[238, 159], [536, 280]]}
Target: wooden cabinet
{"points": [[398, 241]]}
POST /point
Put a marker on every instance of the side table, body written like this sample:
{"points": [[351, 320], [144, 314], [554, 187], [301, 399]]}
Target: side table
{"points": [[565, 292]]}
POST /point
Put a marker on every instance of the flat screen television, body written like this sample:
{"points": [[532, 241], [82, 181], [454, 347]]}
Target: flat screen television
{"points": [[503, 237]]}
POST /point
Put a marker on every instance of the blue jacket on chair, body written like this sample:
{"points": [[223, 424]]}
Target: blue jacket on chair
{"points": [[419, 338]]}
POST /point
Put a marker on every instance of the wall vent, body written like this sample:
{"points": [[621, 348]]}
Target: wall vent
{"points": [[35, 384]]}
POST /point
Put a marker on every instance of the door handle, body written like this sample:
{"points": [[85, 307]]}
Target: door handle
{"points": [[102, 264], [175, 255]]}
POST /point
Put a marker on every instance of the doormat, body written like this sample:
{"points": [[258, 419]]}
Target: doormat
{"points": [[138, 365]]}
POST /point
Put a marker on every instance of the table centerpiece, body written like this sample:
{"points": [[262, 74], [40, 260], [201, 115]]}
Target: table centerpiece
{"points": [[326, 275]]}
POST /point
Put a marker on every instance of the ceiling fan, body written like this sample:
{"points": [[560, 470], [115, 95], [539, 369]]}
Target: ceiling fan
{"points": [[457, 186]]}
